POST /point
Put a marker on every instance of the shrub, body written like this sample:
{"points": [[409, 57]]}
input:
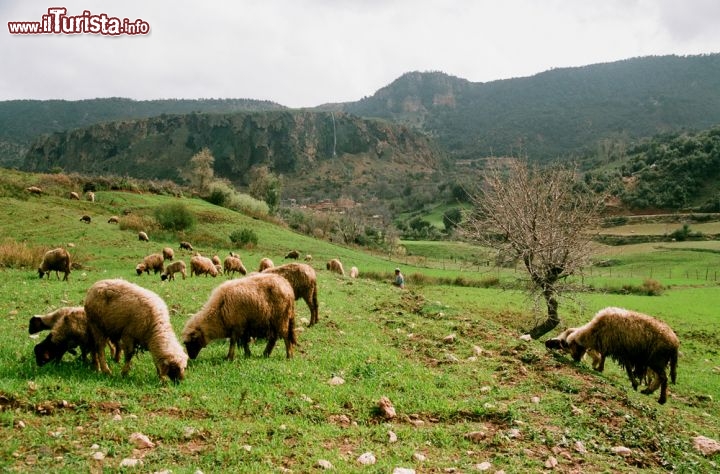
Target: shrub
{"points": [[19, 255], [137, 223], [244, 237], [175, 217]]}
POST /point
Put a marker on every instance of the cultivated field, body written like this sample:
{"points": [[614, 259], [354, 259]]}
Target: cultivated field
{"points": [[469, 394]]}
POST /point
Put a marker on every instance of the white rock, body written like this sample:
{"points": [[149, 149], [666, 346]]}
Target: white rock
{"points": [[420, 457], [580, 447], [449, 339], [247, 447], [324, 464], [117, 417], [535, 400], [336, 380], [98, 455], [706, 446], [130, 462], [526, 337], [483, 466], [392, 437], [366, 459], [19, 424], [477, 350], [305, 321], [386, 408], [551, 462], [403, 470], [141, 441], [621, 450]]}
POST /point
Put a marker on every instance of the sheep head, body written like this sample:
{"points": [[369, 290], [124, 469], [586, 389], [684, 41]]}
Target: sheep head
{"points": [[194, 341]]}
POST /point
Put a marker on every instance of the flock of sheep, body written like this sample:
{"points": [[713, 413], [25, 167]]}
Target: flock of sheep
{"points": [[127, 317]]}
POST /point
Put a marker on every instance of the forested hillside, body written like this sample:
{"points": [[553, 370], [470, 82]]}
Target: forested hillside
{"points": [[559, 113], [22, 121]]}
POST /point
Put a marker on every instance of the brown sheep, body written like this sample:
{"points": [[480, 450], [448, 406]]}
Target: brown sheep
{"points": [[168, 253], [57, 260], [200, 265], [34, 190], [636, 341], [560, 342], [74, 195], [303, 280], [294, 254], [233, 264], [67, 331], [186, 246], [265, 263], [86, 219], [138, 318], [172, 269], [142, 236], [47, 321], [335, 266], [260, 306], [114, 220], [154, 262]]}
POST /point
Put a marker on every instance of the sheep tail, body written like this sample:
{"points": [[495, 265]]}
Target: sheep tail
{"points": [[673, 366]]}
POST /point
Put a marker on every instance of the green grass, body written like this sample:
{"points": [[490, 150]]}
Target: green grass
{"points": [[270, 415]]}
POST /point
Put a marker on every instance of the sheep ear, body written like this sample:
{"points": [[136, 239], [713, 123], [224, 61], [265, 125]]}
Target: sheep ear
{"points": [[553, 343]]}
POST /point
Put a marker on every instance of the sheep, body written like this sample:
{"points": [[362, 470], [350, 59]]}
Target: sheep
{"points": [[265, 263], [308, 258], [334, 265], [114, 220], [90, 196], [233, 264], [74, 195], [560, 342], [121, 311], [294, 254], [200, 265], [259, 306], [143, 236], [168, 253], [86, 219], [58, 260], [218, 264], [354, 272], [636, 341], [303, 280], [154, 262], [68, 327], [34, 190], [186, 246], [172, 269]]}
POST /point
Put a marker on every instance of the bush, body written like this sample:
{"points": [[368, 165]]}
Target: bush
{"points": [[137, 223], [19, 255], [175, 217], [244, 237]]}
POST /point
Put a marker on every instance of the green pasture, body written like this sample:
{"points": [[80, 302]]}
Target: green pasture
{"points": [[466, 389]]}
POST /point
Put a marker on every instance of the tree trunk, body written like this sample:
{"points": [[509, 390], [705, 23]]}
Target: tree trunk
{"points": [[553, 318]]}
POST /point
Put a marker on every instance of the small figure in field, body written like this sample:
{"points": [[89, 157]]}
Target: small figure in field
{"points": [[399, 279]]}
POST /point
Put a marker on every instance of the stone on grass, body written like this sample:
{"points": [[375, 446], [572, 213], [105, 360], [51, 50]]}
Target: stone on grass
{"points": [[130, 462], [621, 450], [483, 466], [551, 462], [706, 446], [475, 436], [141, 441], [386, 408], [324, 464], [366, 459], [392, 437], [419, 457], [403, 470], [336, 380]]}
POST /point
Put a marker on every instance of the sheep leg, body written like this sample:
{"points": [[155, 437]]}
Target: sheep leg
{"points": [[289, 346], [246, 346], [233, 343], [270, 346], [129, 349], [631, 376], [312, 304], [99, 355]]}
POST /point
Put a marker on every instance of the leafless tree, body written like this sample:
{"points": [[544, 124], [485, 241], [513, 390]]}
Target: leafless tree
{"points": [[543, 217]]}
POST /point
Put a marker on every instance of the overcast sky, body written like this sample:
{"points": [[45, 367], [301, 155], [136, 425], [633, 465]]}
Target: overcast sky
{"points": [[308, 52]]}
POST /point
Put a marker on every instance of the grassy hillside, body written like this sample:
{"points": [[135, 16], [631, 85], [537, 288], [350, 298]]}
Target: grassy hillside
{"points": [[480, 396]]}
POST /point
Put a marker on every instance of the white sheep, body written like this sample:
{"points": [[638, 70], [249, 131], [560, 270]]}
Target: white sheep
{"points": [[118, 310], [74, 195], [354, 272], [114, 220], [90, 196], [636, 341], [142, 236], [172, 269], [200, 265], [233, 264], [259, 306], [57, 260], [303, 280]]}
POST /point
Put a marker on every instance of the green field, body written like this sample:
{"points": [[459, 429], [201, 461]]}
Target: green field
{"points": [[482, 395]]}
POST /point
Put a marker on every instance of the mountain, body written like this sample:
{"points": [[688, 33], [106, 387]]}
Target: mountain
{"points": [[559, 113], [22, 121], [319, 154]]}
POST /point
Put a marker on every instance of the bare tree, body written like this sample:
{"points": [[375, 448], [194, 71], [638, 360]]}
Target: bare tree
{"points": [[543, 217], [200, 172]]}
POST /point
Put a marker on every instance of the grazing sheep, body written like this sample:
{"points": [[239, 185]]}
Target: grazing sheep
{"points": [[265, 263], [34, 190], [560, 342], [143, 236], [200, 265], [90, 196], [233, 264], [638, 342], [308, 258], [172, 269], [334, 265], [294, 254], [218, 264], [168, 253], [154, 262], [186, 246], [137, 318], [303, 280], [259, 306], [354, 272], [74, 195], [114, 220], [57, 260], [86, 219]]}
